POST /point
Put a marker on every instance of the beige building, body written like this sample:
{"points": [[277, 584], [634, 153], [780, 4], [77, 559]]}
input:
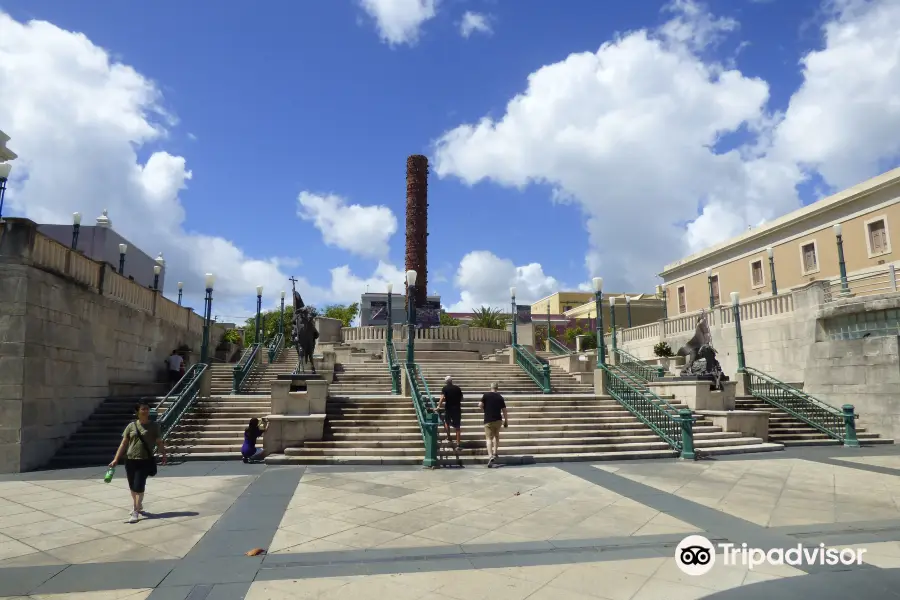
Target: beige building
{"points": [[797, 248], [645, 308], [560, 302]]}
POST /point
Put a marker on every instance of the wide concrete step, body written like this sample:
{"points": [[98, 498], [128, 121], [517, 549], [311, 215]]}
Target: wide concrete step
{"points": [[505, 449], [505, 459]]}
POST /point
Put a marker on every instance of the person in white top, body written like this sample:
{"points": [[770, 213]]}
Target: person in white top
{"points": [[174, 363]]}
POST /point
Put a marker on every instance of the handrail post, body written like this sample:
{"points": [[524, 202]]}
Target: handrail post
{"points": [[687, 434], [395, 379], [850, 440], [431, 440], [546, 369]]}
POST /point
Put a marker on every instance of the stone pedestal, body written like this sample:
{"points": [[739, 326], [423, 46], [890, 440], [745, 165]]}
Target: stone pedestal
{"points": [[696, 394], [325, 363], [743, 384], [750, 423], [600, 382], [297, 416]]}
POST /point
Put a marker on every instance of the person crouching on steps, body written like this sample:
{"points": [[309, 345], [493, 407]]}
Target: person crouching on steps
{"points": [[494, 407], [138, 439], [251, 434]]}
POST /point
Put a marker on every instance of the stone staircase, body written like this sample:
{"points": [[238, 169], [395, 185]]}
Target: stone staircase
{"points": [[543, 428], [791, 431], [214, 429], [95, 442]]}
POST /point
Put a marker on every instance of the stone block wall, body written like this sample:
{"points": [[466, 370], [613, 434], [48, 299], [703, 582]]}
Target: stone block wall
{"points": [[63, 345]]}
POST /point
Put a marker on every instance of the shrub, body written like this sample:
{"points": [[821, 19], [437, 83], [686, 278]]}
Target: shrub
{"points": [[663, 350]]}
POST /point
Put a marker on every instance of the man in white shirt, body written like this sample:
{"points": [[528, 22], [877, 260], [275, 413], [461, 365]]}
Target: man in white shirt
{"points": [[174, 363]]}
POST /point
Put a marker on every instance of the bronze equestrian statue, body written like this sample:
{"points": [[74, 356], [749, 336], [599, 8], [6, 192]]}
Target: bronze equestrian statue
{"points": [[304, 335]]}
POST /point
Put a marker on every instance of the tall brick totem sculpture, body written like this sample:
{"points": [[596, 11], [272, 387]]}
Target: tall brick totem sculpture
{"points": [[417, 223]]}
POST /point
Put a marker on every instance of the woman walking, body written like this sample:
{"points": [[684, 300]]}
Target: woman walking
{"points": [[251, 434], [140, 436]]}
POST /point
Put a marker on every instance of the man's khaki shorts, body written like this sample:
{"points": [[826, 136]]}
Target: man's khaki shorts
{"points": [[493, 428]]}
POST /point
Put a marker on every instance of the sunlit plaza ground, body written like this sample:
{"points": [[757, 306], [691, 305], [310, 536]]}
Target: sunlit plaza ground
{"points": [[569, 531]]}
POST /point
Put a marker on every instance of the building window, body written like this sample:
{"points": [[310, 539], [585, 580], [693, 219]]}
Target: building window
{"points": [[714, 283], [878, 241], [682, 300], [757, 279], [809, 258]]}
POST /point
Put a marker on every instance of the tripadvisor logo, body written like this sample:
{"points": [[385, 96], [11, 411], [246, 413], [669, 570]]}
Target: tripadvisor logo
{"points": [[696, 555]]}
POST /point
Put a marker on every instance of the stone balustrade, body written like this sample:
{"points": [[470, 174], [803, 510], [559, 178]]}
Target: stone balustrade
{"points": [[641, 332], [461, 333], [758, 308], [50, 255]]}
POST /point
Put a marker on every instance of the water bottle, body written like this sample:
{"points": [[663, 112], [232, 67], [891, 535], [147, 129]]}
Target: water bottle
{"points": [[109, 474]]}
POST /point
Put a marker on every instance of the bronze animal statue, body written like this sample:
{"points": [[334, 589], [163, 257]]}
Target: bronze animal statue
{"points": [[304, 335], [702, 337]]}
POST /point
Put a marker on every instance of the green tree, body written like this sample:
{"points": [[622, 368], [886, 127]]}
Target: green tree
{"points": [[269, 320], [489, 318], [448, 321], [344, 314]]}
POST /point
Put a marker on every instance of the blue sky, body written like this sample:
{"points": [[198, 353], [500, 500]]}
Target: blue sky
{"points": [[273, 99]]}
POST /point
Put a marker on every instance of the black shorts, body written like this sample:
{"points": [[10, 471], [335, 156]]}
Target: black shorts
{"points": [[453, 416], [137, 471], [174, 377]]}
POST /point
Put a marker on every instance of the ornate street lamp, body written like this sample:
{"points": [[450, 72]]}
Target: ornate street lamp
{"points": [[411, 317], [843, 267], [207, 313], [281, 320], [512, 295], [612, 320], [389, 334], [771, 252], [598, 300], [180, 289], [123, 248], [156, 270], [259, 290], [5, 169], [76, 226], [736, 311]]}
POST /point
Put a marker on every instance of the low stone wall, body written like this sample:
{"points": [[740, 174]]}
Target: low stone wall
{"points": [[786, 337], [329, 330], [72, 332], [473, 339]]}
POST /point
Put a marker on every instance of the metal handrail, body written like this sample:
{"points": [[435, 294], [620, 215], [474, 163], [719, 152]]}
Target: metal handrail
{"points": [[674, 426], [637, 367], [276, 346], [180, 399], [558, 348], [425, 415], [243, 367], [538, 371], [834, 422], [393, 366]]}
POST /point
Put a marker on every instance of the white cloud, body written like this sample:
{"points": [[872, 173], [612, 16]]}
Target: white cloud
{"points": [[400, 21], [363, 230], [484, 279], [77, 120], [474, 22], [628, 132]]}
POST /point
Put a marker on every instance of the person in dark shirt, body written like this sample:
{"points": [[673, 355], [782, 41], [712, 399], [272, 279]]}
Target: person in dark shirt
{"points": [[248, 451], [451, 400], [494, 407]]}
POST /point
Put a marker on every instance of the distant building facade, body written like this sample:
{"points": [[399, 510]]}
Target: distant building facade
{"points": [[373, 310], [803, 249], [100, 242]]}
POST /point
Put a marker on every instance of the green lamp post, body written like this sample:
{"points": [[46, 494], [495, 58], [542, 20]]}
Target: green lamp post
{"points": [[736, 308], [207, 314], [841, 264], [598, 301]]}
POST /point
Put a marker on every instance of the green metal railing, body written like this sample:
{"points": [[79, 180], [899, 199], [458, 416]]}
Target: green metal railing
{"points": [[179, 400], [426, 413], [243, 367], [674, 426], [393, 366], [637, 367], [276, 346], [538, 371], [838, 423], [558, 348]]}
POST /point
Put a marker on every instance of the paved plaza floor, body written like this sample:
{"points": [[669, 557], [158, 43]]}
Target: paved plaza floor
{"points": [[549, 532]]}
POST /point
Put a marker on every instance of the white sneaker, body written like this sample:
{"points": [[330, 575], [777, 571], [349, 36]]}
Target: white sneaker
{"points": [[135, 516]]}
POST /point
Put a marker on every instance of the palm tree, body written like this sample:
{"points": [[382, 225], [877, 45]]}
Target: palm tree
{"points": [[489, 318]]}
